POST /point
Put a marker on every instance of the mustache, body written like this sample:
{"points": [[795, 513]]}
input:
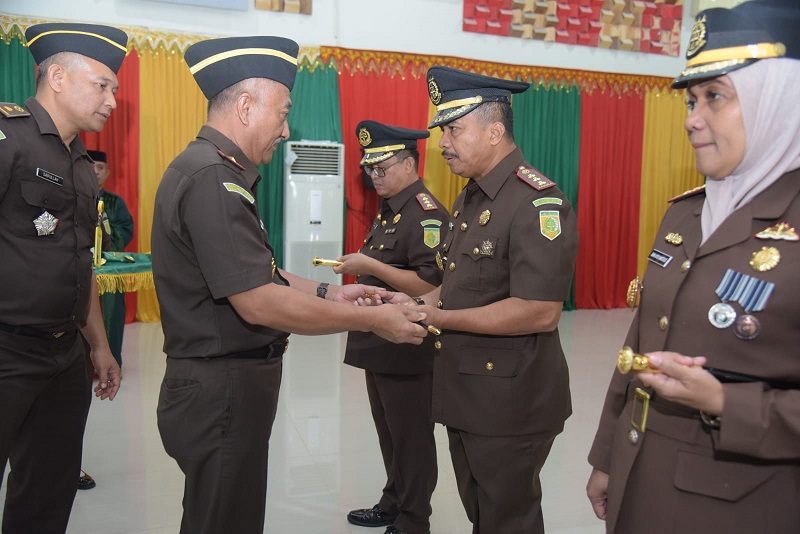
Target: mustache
{"points": [[446, 154]]}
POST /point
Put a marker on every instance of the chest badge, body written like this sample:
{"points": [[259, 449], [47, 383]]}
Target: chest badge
{"points": [[674, 238], [396, 219], [765, 259], [484, 217], [634, 291], [486, 248], [439, 261], [45, 224], [781, 231]]}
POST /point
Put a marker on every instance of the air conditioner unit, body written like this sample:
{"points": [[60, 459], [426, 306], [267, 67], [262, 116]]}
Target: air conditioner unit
{"points": [[313, 207]]}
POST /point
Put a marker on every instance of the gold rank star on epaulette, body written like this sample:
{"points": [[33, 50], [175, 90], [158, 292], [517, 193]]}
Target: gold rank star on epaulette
{"points": [[230, 158], [534, 178], [11, 110], [689, 193]]}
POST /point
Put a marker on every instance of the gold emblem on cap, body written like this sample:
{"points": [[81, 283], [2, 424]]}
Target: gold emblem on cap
{"points": [[396, 219], [484, 217], [698, 39], [433, 91], [674, 238], [364, 139], [781, 231], [634, 290], [765, 259]]}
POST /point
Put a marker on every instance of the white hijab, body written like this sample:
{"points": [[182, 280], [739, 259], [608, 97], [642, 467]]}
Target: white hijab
{"points": [[770, 102]]}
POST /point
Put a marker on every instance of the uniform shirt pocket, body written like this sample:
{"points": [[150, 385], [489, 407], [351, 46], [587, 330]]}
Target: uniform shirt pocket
{"points": [[43, 195], [478, 264], [729, 481], [494, 363]]}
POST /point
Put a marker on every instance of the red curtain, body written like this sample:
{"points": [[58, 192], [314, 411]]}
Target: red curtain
{"points": [[399, 100], [612, 128], [120, 141]]}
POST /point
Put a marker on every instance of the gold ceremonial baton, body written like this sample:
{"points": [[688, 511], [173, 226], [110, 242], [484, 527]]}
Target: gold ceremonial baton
{"points": [[322, 262], [98, 236]]}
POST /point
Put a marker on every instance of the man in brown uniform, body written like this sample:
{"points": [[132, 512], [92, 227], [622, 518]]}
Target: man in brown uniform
{"points": [[48, 216], [500, 379], [398, 254], [226, 309]]}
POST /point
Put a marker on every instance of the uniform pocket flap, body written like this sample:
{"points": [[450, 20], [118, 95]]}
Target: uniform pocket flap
{"points": [[729, 481], [490, 363], [42, 195]]}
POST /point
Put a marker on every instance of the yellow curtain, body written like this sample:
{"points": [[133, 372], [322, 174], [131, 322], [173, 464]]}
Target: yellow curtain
{"points": [[441, 182], [172, 111], [668, 166]]}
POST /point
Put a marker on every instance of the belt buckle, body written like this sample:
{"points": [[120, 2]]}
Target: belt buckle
{"points": [[640, 397]]}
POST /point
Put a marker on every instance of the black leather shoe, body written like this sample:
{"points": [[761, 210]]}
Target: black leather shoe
{"points": [[85, 482], [372, 517], [394, 530]]}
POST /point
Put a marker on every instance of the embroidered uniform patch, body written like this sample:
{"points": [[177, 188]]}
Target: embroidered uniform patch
{"points": [[426, 202], [234, 188], [534, 179], [550, 224], [431, 234], [547, 200]]}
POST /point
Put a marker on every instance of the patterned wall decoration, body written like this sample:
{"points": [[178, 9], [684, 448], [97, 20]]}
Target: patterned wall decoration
{"points": [[286, 6], [652, 26]]}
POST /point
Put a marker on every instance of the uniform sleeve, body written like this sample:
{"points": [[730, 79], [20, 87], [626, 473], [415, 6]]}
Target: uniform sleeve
{"points": [[8, 149], [225, 232], [121, 225], [543, 246], [428, 238], [760, 422]]}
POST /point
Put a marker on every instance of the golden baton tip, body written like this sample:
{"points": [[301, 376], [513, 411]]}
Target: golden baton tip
{"points": [[322, 262], [627, 361]]}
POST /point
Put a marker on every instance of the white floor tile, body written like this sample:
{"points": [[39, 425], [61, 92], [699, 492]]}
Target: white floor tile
{"points": [[324, 457]]}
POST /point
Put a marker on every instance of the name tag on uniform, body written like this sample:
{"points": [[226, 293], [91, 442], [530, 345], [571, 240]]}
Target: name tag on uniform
{"points": [[659, 258], [50, 177], [390, 230]]}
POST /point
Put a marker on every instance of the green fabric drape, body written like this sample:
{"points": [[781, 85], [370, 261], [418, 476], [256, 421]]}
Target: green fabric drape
{"points": [[17, 72], [314, 116], [547, 129]]}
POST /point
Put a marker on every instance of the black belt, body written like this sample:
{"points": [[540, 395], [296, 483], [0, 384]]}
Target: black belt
{"points": [[30, 332], [274, 350]]}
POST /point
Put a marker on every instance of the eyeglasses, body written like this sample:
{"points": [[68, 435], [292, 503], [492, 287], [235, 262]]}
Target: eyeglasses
{"points": [[380, 172]]}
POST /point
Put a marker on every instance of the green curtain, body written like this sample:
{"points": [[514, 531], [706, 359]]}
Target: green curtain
{"points": [[547, 129], [314, 116], [17, 72]]}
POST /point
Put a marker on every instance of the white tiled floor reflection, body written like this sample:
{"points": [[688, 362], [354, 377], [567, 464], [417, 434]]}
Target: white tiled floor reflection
{"points": [[324, 457]]}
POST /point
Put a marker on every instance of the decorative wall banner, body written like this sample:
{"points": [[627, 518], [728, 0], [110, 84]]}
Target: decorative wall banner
{"points": [[652, 26], [286, 6]]}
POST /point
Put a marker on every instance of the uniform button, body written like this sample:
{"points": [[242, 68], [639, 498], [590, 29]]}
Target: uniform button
{"points": [[685, 266], [463, 226], [383, 223], [444, 248], [438, 344], [371, 247], [663, 322], [489, 366], [475, 251], [633, 436], [439, 304], [76, 224], [380, 247], [365, 241], [453, 266]]}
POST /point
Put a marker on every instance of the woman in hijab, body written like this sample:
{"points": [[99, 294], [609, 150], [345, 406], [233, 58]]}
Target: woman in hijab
{"points": [[707, 437]]}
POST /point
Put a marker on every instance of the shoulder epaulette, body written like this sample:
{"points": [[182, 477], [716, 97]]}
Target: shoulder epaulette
{"points": [[230, 158], [534, 178], [689, 193], [426, 201], [12, 110]]}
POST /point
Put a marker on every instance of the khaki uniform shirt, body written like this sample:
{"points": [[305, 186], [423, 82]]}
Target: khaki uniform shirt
{"points": [[209, 243], [406, 233], [45, 280], [507, 239], [758, 439]]}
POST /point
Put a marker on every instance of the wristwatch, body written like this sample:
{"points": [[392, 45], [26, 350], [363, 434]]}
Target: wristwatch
{"points": [[322, 290]]}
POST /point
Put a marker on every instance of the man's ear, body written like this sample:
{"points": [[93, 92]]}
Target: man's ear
{"points": [[55, 77], [496, 133], [244, 105]]}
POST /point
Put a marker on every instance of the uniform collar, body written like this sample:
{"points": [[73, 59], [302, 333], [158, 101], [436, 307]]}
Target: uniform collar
{"points": [[229, 148], [399, 200], [47, 127], [492, 182]]}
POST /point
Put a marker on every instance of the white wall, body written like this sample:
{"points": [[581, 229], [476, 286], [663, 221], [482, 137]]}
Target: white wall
{"points": [[415, 26]]}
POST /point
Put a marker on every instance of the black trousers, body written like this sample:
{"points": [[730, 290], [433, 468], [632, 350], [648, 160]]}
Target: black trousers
{"points": [[45, 395], [401, 409], [215, 418], [498, 480]]}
